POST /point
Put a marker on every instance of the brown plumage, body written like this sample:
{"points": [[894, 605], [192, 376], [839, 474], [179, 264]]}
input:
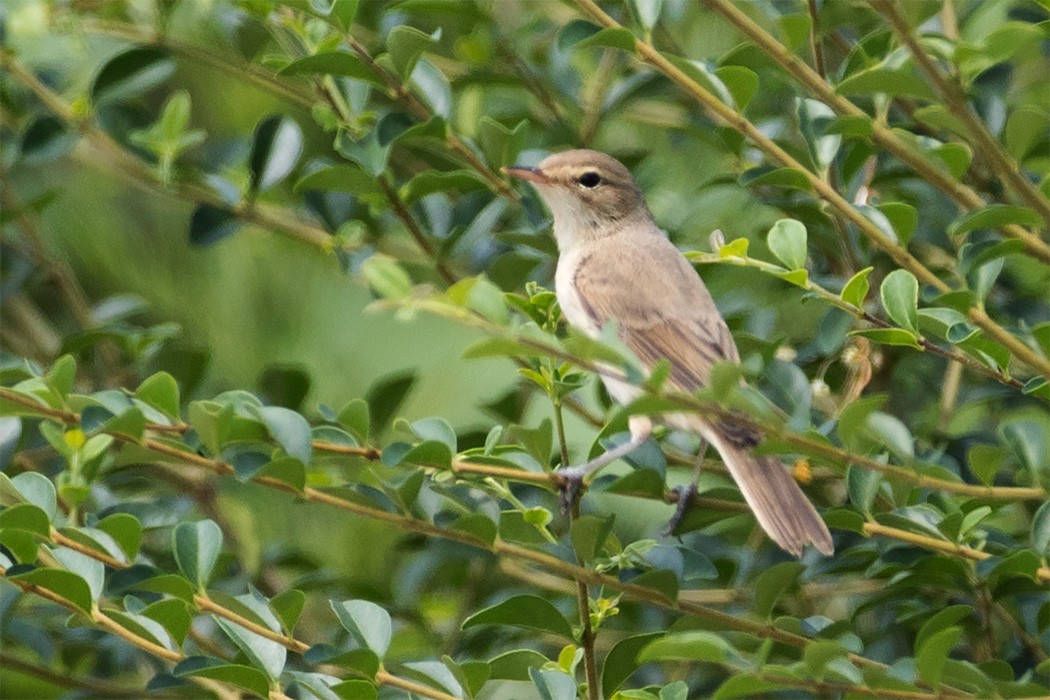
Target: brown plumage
{"points": [[616, 265]]}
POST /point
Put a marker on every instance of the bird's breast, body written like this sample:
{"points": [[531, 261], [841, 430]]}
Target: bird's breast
{"points": [[568, 296]]}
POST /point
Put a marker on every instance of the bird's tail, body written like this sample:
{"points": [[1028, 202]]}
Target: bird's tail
{"points": [[781, 507]]}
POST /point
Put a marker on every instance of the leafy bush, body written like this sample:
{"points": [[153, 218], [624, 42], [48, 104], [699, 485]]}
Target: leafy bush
{"points": [[170, 528]]}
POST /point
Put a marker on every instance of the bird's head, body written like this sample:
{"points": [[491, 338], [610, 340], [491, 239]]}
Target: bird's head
{"points": [[590, 194]]}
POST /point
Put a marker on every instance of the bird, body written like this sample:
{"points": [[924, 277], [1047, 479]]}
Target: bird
{"points": [[615, 266]]}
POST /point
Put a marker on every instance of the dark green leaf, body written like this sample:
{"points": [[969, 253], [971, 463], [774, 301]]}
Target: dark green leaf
{"points": [[994, 216], [276, 146], [772, 583], [368, 623], [787, 240], [196, 547], [931, 656], [622, 661], [25, 516], [288, 606], [290, 430], [339, 178], [210, 224], [338, 63], [245, 677], [612, 37], [900, 298], [132, 73], [406, 44], [897, 82], [527, 611], [63, 583]]}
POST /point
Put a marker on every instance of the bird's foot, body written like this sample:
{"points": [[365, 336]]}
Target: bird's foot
{"points": [[570, 488], [685, 500]]}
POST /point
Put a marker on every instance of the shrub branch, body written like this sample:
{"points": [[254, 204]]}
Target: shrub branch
{"points": [[965, 197]]}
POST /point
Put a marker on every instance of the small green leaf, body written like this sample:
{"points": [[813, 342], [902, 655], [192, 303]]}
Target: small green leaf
{"points": [[741, 82], [64, 583], [38, 490], [776, 177], [162, 392], [736, 248], [368, 623], [339, 178], [196, 547], [386, 277], [126, 531], [431, 181], [27, 517], [890, 336], [62, 375], [339, 63], [246, 677], [289, 429], [1041, 531], [288, 606], [265, 654], [994, 216], [687, 646], [787, 241], [856, 290], [941, 620], [588, 534], [622, 661], [900, 298], [903, 217], [528, 611], [210, 224], [897, 82], [276, 146], [863, 486], [354, 417], [611, 37], [932, 655], [406, 44], [772, 583]]}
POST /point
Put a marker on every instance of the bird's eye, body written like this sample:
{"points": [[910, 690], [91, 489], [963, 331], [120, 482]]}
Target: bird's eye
{"points": [[590, 179]]}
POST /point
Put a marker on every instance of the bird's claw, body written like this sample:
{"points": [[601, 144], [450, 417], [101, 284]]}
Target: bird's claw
{"points": [[570, 488], [685, 499]]}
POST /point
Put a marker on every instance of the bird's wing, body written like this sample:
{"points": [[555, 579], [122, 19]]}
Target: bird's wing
{"points": [[661, 308]]}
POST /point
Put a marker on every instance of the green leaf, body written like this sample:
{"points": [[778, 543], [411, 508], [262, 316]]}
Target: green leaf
{"points": [[941, 620], [64, 583], [819, 653], [856, 290], [611, 37], [994, 216], [368, 623], [776, 177], [741, 82], [210, 224], [890, 336], [553, 684], [900, 298], [568, 36], [955, 156], [196, 547], [622, 661], [339, 63], [265, 654], [36, 489], [903, 217], [276, 146], [662, 581], [931, 656], [436, 675], [289, 429], [734, 249], [386, 277], [246, 677], [1041, 531], [745, 685], [27, 517], [62, 375], [528, 611], [339, 178], [863, 486], [91, 570], [431, 181], [406, 44], [126, 531], [144, 627], [173, 615], [787, 241], [687, 646], [478, 526], [588, 535], [131, 73], [161, 391], [288, 606], [897, 82], [355, 418], [772, 583]]}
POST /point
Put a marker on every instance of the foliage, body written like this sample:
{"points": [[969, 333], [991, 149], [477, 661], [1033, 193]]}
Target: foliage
{"points": [[881, 172]]}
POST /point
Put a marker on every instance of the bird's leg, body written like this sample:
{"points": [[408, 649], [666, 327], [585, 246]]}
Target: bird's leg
{"points": [[686, 493], [572, 477]]}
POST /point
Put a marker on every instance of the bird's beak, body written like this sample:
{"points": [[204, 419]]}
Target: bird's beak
{"points": [[534, 175]]}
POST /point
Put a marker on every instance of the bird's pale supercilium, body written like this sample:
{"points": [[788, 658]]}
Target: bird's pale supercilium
{"points": [[615, 265]]}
